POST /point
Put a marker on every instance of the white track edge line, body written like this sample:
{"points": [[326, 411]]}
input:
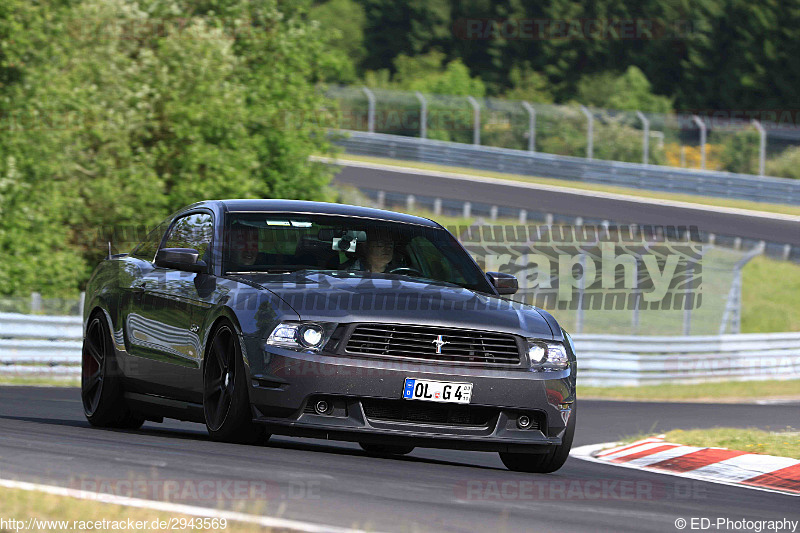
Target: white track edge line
{"points": [[561, 189], [585, 453], [265, 521]]}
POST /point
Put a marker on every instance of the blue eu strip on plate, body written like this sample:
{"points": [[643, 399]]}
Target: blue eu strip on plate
{"points": [[408, 390]]}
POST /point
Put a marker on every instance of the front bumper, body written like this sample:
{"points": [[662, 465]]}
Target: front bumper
{"points": [[285, 383]]}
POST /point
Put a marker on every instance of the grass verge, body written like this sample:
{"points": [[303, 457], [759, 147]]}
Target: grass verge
{"points": [[642, 193], [724, 391], [770, 296], [24, 505], [781, 443], [40, 381]]}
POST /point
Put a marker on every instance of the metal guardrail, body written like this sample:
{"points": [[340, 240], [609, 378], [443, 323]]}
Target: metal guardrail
{"points": [[625, 360], [604, 360], [39, 339], [632, 175]]}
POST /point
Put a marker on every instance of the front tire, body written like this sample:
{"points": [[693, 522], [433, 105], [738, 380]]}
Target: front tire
{"points": [[226, 402], [544, 463], [101, 383]]}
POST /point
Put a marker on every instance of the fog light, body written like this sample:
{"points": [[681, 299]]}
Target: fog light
{"points": [[322, 407], [523, 422]]}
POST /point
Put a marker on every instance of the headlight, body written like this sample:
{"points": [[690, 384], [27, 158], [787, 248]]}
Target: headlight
{"points": [[301, 336], [547, 356]]}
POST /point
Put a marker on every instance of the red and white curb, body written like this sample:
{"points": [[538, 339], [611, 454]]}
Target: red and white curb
{"points": [[720, 465]]}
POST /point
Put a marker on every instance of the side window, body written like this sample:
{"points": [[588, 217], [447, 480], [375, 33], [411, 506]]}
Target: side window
{"points": [[192, 231], [147, 248]]}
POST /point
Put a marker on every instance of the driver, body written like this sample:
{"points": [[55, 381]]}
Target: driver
{"points": [[378, 254], [244, 244], [373, 255]]}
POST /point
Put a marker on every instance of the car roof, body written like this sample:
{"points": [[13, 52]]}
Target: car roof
{"points": [[320, 208]]}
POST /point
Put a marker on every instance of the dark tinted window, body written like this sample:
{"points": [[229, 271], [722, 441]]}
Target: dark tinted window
{"points": [[192, 231], [147, 249], [289, 242]]}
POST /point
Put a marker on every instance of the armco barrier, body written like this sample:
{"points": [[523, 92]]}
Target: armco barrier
{"points": [[631, 360], [602, 359], [39, 339], [639, 176]]}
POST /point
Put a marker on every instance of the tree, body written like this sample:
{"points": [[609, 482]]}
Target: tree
{"points": [[132, 112], [410, 27], [528, 85], [342, 23], [630, 91]]}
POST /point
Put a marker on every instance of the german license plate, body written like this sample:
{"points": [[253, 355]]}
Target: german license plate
{"points": [[437, 391]]}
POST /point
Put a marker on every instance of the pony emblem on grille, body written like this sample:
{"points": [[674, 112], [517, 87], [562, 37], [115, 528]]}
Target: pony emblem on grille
{"points": [[439, 342]]}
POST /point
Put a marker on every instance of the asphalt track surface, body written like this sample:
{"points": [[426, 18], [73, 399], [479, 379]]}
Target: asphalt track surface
{"points": [[564, 203], [44, 438]]}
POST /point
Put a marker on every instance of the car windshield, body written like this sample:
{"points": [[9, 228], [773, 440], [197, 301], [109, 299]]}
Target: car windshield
{"points": [[280, 243]]}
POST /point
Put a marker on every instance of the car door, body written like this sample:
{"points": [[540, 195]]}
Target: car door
{"points": [[162, 325]]}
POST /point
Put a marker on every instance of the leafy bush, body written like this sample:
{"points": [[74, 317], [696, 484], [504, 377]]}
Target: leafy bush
{"points": [[740, 152], [630, 91], [786, 165]]}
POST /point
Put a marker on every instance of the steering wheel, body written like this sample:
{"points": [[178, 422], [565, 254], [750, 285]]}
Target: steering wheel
{"points": [[406, 271]]}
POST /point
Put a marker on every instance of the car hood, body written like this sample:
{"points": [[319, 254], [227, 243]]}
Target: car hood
{"points": [[387, 298]]}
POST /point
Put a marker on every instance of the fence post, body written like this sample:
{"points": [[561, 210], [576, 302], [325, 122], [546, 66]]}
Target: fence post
{"points": [[687, 309], [589, 132], [423, 115], [467, 210], [36, 302], [581, 288], [702, 126], [381, 199], [370, 110], [732, 315], [762, 146], [531, 126], [437, 206], [646, 136], [81, 303], [636, 297], [476, 120], [523, 217], [493, 213], [410, 200]]}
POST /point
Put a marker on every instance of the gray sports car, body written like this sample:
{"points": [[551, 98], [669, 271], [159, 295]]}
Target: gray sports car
{"points": [[261, 317]]}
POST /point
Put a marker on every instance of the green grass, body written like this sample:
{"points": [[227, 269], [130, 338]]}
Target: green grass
{"points": [[784, 443], [40, 381], [696, 199], [723, 391], [770, 296]]}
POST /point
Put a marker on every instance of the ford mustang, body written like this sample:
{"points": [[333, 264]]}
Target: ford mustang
{"points": [[262, 317]]}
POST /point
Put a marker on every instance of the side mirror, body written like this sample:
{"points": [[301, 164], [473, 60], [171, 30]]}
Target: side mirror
{"points": [[504, 283], [185, 259]]}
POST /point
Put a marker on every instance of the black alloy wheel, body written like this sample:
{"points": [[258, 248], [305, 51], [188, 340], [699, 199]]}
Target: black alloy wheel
{"points": [[226, 402]]}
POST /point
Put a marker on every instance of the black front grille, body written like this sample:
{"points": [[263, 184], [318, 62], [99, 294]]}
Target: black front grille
{"points": [[427, 413], [434, 343]]}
